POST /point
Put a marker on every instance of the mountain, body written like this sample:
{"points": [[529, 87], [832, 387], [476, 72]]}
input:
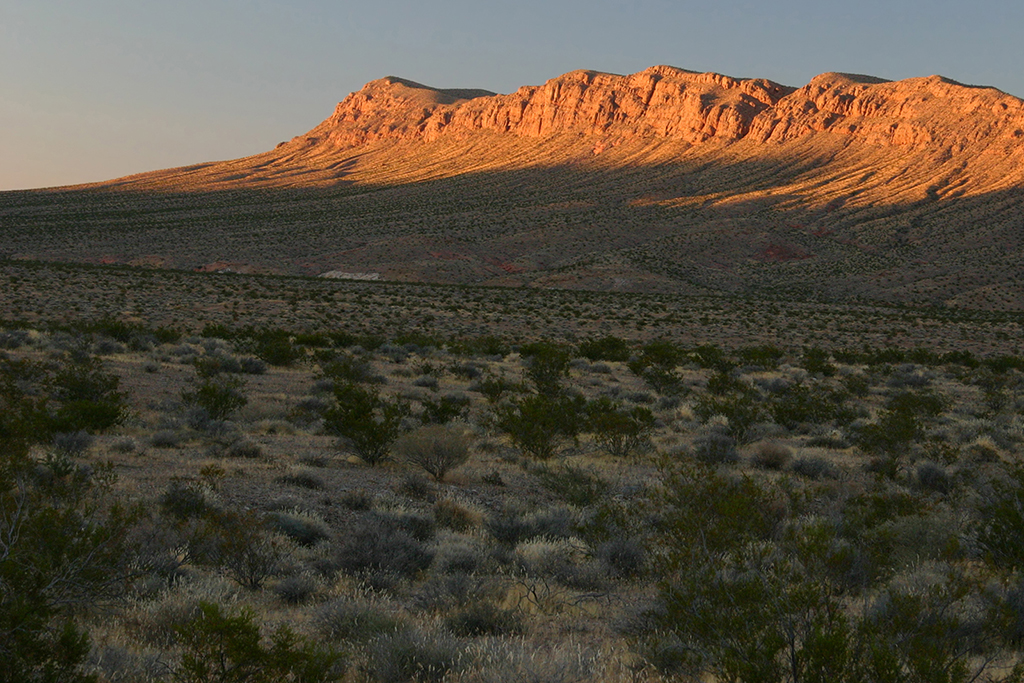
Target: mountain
{"points": [[663, 180]]}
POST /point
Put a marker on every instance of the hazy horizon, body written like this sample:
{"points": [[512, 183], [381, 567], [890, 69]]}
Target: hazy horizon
{"points": [[93, 93]]}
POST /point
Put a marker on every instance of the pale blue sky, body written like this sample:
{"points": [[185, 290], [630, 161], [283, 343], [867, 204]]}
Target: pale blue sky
{"points": [[94, 89]]}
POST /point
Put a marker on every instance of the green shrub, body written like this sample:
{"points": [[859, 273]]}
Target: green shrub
{"points": [[749, 598], [238, 545], [219, 397], [183, 501], [1001, 523], [466, 371], [766, 356], [275, 347], [900, 423], [87, 397], [656, 364], [705, 510], [62, 543], [538, 425], [445, 409], [710, 357], [220, 648], [494, 388], [547, 365], [949, 630], [89, 416], [487, 345], [369, 423], [618, 431], [802, 404], [742, 411], [816, 361], [607, 348]]}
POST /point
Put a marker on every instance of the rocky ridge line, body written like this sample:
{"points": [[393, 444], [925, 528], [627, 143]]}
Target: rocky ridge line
{"points": [[671, 103]]}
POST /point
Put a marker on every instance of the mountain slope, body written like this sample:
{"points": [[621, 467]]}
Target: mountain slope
{"points": [[662, 180]]}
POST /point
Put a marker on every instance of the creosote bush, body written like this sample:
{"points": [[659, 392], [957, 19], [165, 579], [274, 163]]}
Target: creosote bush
{"points": [[219, 397], [368, 423], [217, 646], [62, 548], [619, 431], [539, 425]]}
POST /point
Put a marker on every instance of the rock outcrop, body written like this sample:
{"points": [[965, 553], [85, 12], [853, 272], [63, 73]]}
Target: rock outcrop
{"points": [[666, 102], [918, 112], [660, 101]]}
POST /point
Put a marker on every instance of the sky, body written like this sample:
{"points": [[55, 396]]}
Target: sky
{"points": [[96, 89]]}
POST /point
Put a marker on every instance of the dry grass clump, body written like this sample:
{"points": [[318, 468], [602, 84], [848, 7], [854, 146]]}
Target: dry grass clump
{"points": [[450, 514], [772, 455]]}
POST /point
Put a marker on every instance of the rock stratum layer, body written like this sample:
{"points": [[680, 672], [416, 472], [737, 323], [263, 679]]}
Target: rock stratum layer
{"points": [[666, 179]]}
